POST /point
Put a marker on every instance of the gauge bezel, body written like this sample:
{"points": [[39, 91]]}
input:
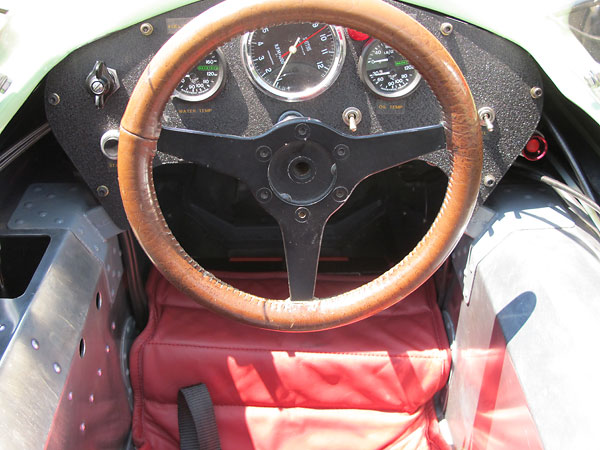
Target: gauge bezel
{"points": [[214, 90], [306, 94], [362, 64]]}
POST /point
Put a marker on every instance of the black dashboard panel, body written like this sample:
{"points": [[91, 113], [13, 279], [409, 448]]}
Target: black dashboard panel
{"points": [[500, 74]]}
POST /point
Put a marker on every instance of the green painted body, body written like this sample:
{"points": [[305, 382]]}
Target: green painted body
{"points": [[36, 35]]}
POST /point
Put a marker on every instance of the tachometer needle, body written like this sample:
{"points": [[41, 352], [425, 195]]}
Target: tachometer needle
{"points": [[297, 44], [292, 50]]}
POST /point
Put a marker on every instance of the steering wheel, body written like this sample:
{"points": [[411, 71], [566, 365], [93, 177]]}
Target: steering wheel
{"points": [[333, 164]]}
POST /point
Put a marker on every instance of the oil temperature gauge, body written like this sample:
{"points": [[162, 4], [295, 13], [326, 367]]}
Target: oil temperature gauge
{"points": [[205, 80], [385, 72]]}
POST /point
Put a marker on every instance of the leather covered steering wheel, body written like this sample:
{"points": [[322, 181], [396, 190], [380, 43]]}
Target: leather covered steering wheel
{"points": [[303, 213]]}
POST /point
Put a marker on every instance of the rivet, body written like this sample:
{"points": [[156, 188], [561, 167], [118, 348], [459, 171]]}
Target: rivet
{"points": [[99, 372], [102, 191], [107, 348], [91, 398], [536, 92], [489, 180], [113, 326], [446, 28], [57, 368], [28, 205], [146, 29], [2, 327], [58, 221], [43, 213], [70, 396], [54, 99], [82, 427], [35, 344]]}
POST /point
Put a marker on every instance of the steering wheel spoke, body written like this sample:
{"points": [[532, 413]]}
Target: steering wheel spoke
{"points": [[229, 155], [368, 155], [302, 232], [302, 245]]}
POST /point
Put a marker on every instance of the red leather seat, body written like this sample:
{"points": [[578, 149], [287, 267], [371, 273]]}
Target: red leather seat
{"points": [[368, 385]]}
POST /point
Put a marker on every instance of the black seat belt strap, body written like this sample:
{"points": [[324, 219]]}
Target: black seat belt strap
{"points": [[196, 417]]}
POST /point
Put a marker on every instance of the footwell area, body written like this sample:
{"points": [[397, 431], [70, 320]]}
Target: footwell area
{"points": [[368, 385]]}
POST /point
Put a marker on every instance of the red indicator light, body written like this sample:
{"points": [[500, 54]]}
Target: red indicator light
{"points": [[536, 148]]}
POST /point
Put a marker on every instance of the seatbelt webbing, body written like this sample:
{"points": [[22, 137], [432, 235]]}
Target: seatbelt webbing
{"points": [[196, 417]]}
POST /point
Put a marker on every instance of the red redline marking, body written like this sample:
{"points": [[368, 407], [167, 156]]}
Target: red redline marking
{"points": [[312, 35]]}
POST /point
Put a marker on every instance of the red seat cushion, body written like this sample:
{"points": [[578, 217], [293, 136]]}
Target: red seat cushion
{"points": [[366, 385]]}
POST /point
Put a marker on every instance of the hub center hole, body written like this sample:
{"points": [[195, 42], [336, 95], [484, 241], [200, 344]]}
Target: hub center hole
{"points": [[301, 169]]}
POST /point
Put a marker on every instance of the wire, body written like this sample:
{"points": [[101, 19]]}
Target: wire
{"points": [[581, 178], [563, 187], [12, 153], [583, 215], [579, 204]]}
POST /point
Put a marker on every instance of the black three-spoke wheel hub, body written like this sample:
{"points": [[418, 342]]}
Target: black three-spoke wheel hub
{"points": [[301, 172]]}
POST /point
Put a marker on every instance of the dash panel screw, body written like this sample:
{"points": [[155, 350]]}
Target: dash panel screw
{"points": [[146, 29], [446, 28], [536, 92], [102, 191], [54, 99], [489, 180]]}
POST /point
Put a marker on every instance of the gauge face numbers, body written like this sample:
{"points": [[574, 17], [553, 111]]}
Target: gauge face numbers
{"points": [[387, 73], [294, 62], [204, 81]]}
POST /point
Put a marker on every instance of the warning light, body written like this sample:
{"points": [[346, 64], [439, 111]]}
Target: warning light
{"points": [[536, 148]]}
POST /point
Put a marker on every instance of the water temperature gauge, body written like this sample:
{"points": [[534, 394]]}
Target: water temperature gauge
{"points": [[205, 80], [387, 73]]}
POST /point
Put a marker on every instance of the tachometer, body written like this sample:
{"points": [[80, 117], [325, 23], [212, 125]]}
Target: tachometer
{"points": [[294, 62], [205, 80], [386, 72]]}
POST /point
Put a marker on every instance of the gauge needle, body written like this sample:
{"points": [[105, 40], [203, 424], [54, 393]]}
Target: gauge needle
{"points": [[308, 38], [292, 50]]}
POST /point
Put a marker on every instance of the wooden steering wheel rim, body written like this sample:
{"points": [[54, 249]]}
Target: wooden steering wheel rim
{"points": [[141, 126]]}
